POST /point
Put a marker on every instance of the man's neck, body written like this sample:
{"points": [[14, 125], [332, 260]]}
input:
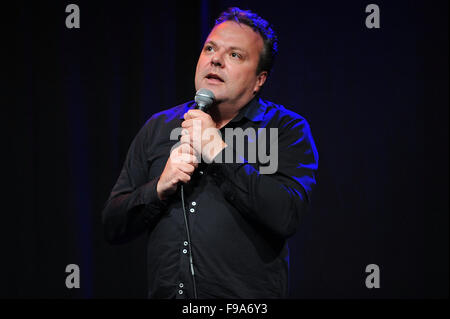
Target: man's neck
{"points": [[222, 116], [223, 113]]}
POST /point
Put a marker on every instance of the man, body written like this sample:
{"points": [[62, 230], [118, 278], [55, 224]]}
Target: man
{"points": [[239, 219]]}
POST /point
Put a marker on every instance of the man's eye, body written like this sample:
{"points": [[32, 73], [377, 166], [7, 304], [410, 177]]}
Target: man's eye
{"points": [[235, 55], [208, 48]]}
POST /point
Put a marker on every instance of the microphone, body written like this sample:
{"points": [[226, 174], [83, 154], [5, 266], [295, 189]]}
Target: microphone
{"points": [[204, 99]]}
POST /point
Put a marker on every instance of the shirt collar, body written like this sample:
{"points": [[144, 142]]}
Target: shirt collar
{"points": [[253, 110]]}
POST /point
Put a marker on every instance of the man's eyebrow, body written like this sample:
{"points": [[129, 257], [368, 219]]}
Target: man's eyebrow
{"points": [[237, 49], [210, 42]]}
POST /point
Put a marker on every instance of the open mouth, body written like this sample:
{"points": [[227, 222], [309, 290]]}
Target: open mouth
{"points": [[213, 76]]}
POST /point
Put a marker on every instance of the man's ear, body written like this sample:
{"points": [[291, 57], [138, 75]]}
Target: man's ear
{"points": [[260, 80]]}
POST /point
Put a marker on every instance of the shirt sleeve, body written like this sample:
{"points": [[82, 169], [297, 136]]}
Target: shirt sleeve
{"points": [[278, 200], [133, 205]]}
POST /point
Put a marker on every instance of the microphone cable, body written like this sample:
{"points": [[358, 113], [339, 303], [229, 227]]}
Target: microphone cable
{"points": [[188, 235]]}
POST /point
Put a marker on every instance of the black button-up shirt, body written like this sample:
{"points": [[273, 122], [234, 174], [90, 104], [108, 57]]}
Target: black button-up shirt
{"points": [[239, 218]]}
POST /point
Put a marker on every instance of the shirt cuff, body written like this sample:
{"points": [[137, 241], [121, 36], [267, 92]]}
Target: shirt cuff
{"points": [[151, 198]]}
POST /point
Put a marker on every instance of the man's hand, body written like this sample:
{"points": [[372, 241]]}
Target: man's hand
{"points": [[180, 166], [200, 131]]}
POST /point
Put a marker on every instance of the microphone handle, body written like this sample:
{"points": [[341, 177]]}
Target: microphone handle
{"points": [[202, 107]]}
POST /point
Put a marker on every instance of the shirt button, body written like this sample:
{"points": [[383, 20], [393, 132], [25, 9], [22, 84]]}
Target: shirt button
{"points": [[194, 203], [185, 243], [201, 172], [181, 285], [192, 210], [184, 251], [180, 292]]}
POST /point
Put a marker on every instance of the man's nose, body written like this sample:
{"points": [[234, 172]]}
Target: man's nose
{"points": [[217, 60]]}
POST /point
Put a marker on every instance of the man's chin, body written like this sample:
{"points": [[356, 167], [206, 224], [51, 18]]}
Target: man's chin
{"points": [[212, 84]]}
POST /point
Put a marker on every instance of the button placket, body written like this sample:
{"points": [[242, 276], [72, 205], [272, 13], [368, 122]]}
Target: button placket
{"points": [[193, 207]]}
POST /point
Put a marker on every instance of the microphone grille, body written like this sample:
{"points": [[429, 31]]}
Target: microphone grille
{"points": [[204, 99]]}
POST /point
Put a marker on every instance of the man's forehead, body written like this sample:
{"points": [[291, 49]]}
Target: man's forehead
{"points": [[233, 34]]}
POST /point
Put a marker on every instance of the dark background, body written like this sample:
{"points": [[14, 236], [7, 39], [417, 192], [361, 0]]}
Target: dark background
{"points": [[376, 100]]}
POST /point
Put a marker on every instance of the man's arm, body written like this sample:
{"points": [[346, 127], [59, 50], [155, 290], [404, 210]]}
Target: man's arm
{"points": [[275, 200], [134, 203]]}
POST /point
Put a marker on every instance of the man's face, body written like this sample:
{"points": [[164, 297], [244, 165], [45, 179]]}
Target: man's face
{"points": [[228, 62]]}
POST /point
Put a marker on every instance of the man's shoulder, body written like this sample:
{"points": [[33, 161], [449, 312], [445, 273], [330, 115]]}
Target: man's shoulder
{"points": [[280, 112], [164, 121], [170, 114]]}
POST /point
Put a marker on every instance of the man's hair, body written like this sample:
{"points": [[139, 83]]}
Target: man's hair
{"points": [[258, 24]]}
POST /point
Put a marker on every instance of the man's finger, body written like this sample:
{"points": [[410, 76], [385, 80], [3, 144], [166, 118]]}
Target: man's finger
{"points": [[186, 159], [192, 114], [185, 139], [183, 177], [187, 123], [186, 168], [186, 148]]}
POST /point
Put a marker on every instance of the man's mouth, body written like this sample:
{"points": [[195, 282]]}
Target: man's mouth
{"points": [[213, 76]]}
